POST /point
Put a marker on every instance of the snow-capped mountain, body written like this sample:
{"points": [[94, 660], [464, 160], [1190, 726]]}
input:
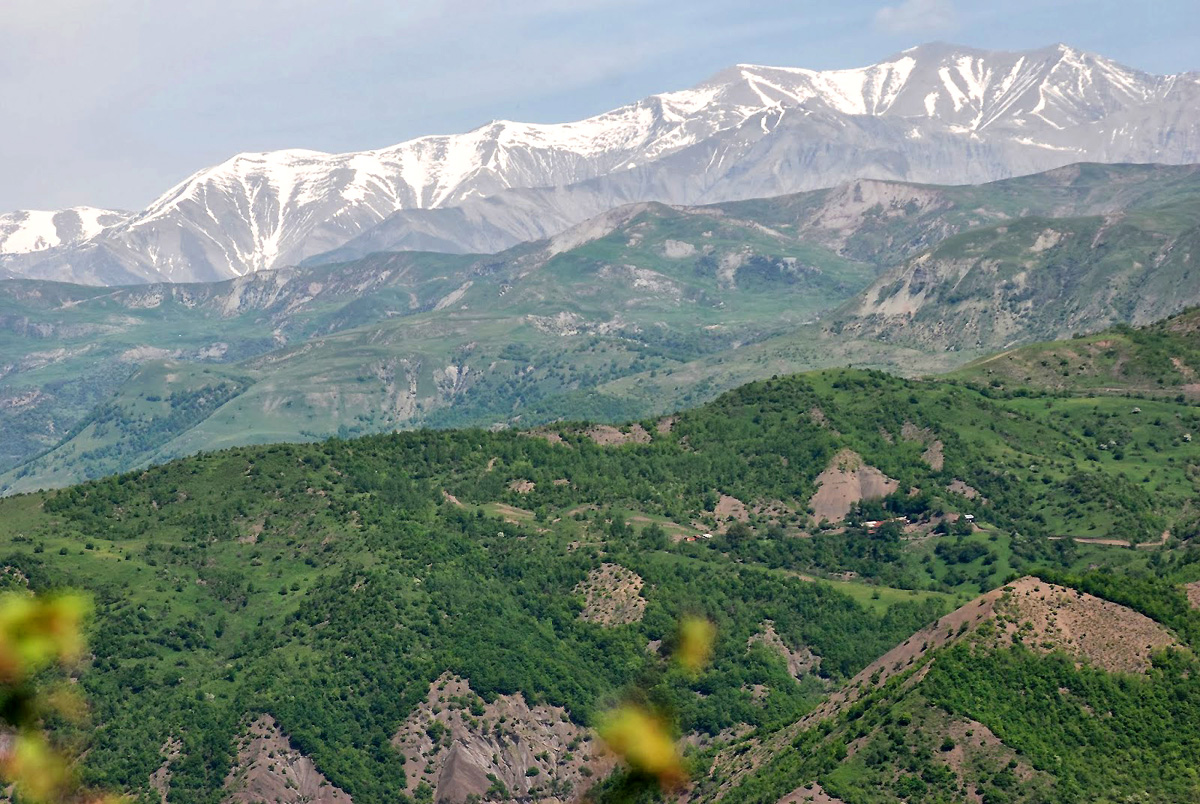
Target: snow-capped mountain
{"points": [[936, 113], [30, 230]]}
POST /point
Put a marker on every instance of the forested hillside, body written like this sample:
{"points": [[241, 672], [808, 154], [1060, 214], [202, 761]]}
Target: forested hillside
{"points": [[818, 520]]}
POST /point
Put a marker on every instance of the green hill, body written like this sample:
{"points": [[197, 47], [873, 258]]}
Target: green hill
{"points": [[330, 586], [1000, 701], [1159, 359]]}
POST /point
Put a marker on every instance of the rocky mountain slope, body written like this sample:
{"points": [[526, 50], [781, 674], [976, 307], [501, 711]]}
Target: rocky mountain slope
{"points": [[937, 113], [600, 321], [1038, 278], [393, 340]]}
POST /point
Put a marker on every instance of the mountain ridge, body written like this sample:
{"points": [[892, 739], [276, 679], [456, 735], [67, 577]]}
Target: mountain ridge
{"points": [[935, 113], [643, 309]]}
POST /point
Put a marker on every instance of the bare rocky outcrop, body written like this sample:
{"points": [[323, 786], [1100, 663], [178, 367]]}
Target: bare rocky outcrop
{"points": [[731, 508], [550, 435], [911, 432], [612, 596], [818, 416], [933, 455], [810, 794], [270, 771], [846, 481], [463, 748], [608, 436], [677, 249], [960, 487], [1193, 594], [160, 780], [1107, 635]]}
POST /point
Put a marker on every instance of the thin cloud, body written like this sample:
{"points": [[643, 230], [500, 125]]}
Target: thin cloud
{"points": [[917, 16]]}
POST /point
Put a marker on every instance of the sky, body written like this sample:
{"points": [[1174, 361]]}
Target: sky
{"points": [[110, 102]]}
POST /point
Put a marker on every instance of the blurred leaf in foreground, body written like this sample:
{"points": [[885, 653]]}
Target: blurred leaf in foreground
{"points": [[696, 639], [643, 738], [644, 741], [37, 633]]}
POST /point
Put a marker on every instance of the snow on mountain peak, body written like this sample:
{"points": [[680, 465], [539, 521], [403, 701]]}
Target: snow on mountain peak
{"points": [[431, 171], [260, 210], [32, 230]]}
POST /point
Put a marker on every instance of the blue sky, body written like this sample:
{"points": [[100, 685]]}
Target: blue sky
{"points": [[108, 102]]}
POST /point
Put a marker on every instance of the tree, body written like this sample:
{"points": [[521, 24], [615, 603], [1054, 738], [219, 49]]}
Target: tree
{"points": [[654, 537], [738, 535]]}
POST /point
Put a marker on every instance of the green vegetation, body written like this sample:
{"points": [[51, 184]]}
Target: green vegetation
{"points": [[1036, 728], [1161, 359], [328, 584], [1002, 721], [1102, 737], [390, 342]]}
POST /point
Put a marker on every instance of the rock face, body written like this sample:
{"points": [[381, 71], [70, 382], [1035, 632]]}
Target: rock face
{"points": [[934, 454], [810, 794], [504, 750], [160, 780], [270, 771], [608, 436], [1037, 278], [937, 113], [845, 482], [1193, 594]]}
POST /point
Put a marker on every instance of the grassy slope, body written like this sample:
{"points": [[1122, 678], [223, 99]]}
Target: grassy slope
{"points": [[525, 335], [1160, 359]]}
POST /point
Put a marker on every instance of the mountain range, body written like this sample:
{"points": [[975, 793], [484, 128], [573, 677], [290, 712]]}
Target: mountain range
{"points": [[935, 114], [639, 311]]}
